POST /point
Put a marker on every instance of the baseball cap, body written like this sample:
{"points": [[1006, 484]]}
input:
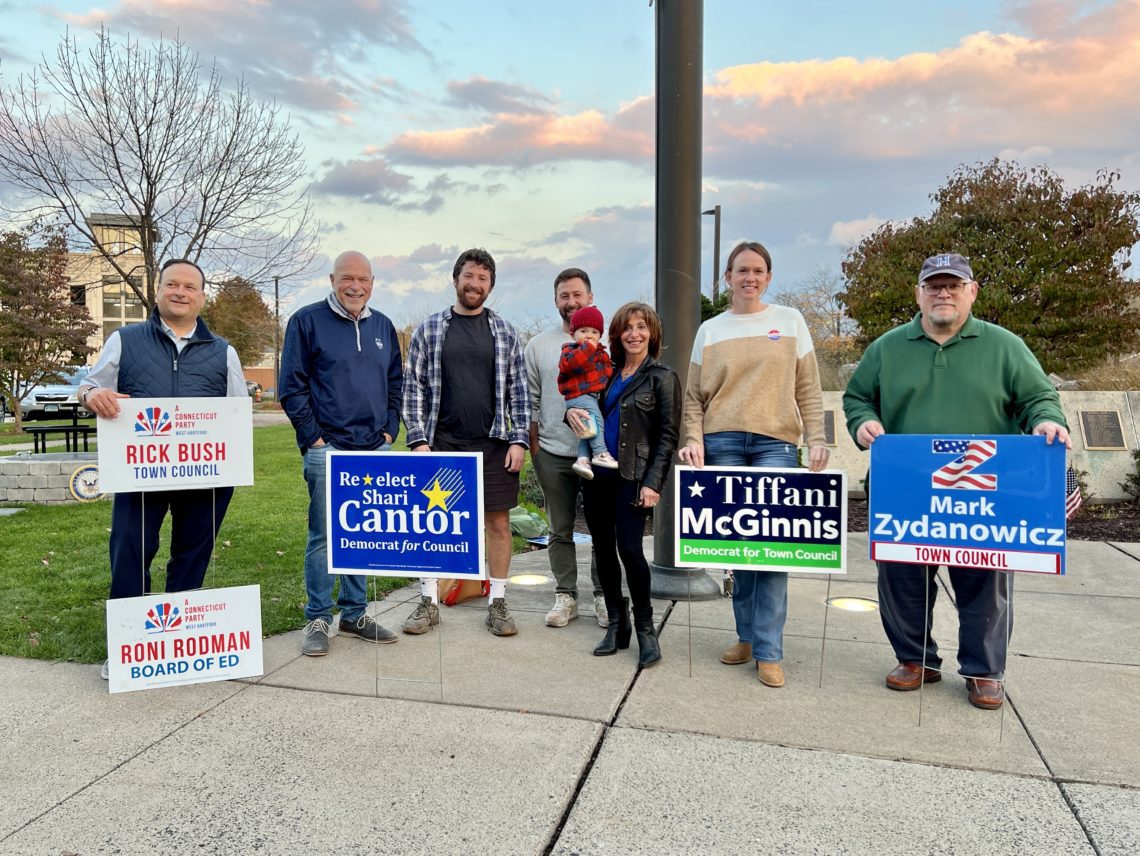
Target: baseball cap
{"points": [[950, 263]]}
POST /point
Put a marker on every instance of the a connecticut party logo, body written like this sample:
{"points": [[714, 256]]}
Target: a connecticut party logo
{"points": [[162, 618], [152, 422]]}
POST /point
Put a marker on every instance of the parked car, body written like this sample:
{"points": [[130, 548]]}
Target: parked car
{"points": [[55, 399], [254, 389]]}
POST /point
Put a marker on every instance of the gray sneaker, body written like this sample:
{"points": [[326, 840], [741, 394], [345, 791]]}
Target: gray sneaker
{"points": [[367, 629], [499, 619], [600, 611], [423, 617], [105, 673], [565, 610], [315, 642]]}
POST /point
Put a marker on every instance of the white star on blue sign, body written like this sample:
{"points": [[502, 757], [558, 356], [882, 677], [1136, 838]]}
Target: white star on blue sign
{"points": [[950, 447]]}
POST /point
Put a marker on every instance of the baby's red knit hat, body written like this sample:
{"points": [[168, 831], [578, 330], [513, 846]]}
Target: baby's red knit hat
{"points": [[588, 316]]}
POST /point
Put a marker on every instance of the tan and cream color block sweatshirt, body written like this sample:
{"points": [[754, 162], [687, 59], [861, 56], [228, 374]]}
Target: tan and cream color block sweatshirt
{"points": [[757, 373]]}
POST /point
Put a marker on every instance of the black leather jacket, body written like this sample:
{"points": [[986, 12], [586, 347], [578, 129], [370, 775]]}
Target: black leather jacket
{"points": [[650, 413]]}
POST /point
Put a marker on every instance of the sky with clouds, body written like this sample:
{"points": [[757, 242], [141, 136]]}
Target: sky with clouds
{"points": [[527, 127]]}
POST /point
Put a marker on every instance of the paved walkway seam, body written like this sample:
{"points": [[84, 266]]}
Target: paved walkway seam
{"points": [[434, 702], [1042, 657], [1122, 550], [1053, 776], [672, 729], [606, 726]]}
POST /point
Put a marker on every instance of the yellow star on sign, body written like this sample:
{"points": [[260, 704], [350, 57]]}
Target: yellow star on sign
{"points": [[367, 479], [437, 496]]}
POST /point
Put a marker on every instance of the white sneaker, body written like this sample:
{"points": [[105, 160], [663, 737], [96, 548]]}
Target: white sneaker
{"points": [[582, 468], [605, 459], [600, 611], [565, 610], [105, 672]]}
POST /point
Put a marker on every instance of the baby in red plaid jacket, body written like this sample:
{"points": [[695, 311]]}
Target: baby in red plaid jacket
{"points": [[583, 370]]}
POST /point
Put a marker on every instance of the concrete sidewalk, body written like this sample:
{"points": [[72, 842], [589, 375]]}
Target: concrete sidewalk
{"points": [[461, 742]]}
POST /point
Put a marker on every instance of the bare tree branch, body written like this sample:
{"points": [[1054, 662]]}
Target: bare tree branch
{"points": [[143, 131]]}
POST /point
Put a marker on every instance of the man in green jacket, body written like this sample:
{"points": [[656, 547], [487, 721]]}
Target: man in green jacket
{"points": [[948, 372]]}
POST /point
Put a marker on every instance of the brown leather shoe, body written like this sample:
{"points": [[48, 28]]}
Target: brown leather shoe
{"points": [[986, 693], [770, 674], [909, 676], [737, 654]]}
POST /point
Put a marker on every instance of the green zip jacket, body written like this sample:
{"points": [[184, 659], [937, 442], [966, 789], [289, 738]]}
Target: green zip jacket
{"points": [[984, 380]]}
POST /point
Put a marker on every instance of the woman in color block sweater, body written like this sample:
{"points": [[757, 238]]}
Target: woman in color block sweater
{"points": [[753, 391]]}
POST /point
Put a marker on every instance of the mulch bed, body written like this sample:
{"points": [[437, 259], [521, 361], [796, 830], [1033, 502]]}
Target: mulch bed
{"points": [[1119, 522]]}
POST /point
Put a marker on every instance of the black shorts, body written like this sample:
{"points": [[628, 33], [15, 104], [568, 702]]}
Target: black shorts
{"points": [[500, 488]]}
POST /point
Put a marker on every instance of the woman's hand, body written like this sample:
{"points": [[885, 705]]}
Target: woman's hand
{"points": [[692, 454], [649, 497], [818, 457]]}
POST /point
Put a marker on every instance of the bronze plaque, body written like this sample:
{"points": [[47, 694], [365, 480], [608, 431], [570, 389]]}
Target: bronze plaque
{"points": [[829, 428], [1102, 430]]}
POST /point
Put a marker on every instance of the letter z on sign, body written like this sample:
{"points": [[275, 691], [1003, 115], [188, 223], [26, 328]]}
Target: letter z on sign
{"points": [[959, 473]]}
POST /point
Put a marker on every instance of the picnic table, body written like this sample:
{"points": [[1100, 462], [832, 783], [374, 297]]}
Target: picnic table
{"points": [[72, 433]]}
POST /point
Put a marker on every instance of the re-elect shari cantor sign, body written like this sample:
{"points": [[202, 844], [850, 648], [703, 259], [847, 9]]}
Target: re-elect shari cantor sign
{"points": [[405, 514], [752, 519], [968, 501], [173, 443]]}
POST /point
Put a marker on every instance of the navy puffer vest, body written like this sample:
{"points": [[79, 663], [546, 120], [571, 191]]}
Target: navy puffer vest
{"points": [[152, 367]]}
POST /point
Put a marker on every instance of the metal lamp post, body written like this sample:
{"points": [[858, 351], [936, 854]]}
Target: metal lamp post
{"points": [[680, 36], [715, 212], [276, 339]]}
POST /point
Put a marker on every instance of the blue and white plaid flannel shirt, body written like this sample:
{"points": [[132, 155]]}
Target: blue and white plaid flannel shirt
{"points": [[423, 381]]}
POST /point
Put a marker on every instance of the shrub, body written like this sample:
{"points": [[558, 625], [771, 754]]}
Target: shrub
{"points": [[1131, 483]]}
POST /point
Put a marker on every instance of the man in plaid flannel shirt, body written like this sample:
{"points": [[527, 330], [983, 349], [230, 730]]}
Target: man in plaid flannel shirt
{"points": [[465, 391]]}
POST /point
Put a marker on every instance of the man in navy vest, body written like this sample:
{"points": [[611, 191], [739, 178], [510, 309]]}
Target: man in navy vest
{"points": [[171, 354], [341, 385]]}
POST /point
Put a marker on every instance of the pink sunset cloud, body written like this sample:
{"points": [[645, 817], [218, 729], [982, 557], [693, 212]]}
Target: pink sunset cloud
{"points": [[527, 139], [1071, 81]]}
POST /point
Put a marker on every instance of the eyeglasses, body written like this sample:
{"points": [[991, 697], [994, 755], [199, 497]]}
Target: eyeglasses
{"points": [[931, 289]]}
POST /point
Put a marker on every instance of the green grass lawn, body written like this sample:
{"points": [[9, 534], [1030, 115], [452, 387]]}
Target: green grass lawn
{"points": [[9, 436], [55, 572]]}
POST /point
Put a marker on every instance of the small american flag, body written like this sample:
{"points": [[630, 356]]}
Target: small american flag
{"points": [[1073, 498], [958, 474]]}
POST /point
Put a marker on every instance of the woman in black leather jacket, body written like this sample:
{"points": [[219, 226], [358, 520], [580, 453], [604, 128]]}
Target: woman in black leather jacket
{"points": [[642, 410]]}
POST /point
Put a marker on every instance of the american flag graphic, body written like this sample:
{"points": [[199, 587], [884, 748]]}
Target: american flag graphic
{"points": [[1073, 498], [958, 474]]}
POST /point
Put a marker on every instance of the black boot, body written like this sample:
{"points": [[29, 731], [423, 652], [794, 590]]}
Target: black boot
{"points": [[618, 631], [649, 649]]}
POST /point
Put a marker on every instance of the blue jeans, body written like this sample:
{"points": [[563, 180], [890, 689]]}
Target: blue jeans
{"points": [[759, 598], [319, 582], [596, 445]]}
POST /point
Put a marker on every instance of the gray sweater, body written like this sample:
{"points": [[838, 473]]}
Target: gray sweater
{"points": [[547, 406]]}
